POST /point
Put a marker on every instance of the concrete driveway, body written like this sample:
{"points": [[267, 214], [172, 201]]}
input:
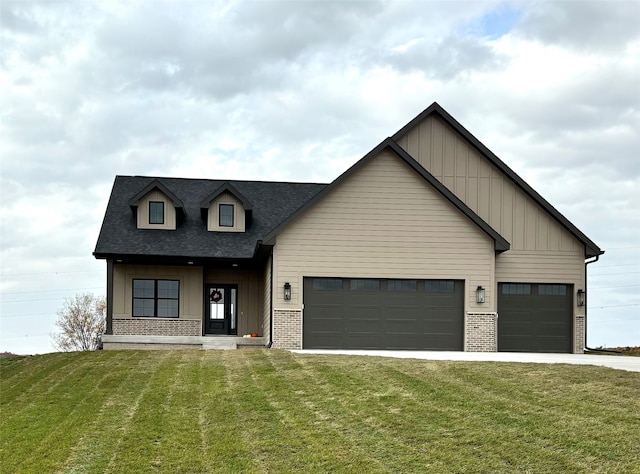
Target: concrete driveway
{"points": [[631, 364]]}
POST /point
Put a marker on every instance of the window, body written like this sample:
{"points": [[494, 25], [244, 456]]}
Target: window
{"points": [[402, 285], [155, 298], [226, 215], [516, 289], [438, 286], [156, 212], [365, 285], [327, 284], [552, 290]]}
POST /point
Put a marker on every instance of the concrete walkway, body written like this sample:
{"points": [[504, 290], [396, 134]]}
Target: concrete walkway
{"points": [[631, 364]]}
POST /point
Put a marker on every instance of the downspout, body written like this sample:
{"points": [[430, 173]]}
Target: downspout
{"points": [[271, 303], [586, 296]]}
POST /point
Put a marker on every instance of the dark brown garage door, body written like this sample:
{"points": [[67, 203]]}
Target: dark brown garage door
{"points": [[350, 313], [534, 317]]}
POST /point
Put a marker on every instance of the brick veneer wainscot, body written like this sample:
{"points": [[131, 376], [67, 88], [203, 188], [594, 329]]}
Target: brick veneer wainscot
{"points": [[481, 332], [157, 327], [287, 328]]}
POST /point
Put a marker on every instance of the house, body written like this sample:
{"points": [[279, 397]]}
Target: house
{"points": [[428, 242]]}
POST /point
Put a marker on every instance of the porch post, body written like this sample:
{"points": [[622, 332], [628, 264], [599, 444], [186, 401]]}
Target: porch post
{"points": [[109, 328]]}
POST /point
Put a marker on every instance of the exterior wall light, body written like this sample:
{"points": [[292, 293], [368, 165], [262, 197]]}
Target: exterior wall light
{"points": [[580, 297], [480, 295], [287, 291]]}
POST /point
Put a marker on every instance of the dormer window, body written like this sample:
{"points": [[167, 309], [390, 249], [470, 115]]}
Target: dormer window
{"points": [[156, 207], [225, 215], [226, 210], [156, 212]]}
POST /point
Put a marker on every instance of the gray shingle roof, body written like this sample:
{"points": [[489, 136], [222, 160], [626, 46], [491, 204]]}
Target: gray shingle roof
{"points": [[272, 203]]}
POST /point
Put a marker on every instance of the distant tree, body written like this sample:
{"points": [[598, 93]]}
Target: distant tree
{"points": [[6, 355], [81, 321]]}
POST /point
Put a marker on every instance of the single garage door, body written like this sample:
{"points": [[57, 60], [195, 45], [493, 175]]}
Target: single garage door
{"points": [[534, 317], [351, 313]]}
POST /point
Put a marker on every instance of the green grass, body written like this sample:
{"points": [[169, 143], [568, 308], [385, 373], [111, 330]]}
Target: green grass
{"points": [[274, 411]]}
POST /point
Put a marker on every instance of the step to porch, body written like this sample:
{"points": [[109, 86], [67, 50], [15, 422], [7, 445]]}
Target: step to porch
{"points": [[230, 342], [219, 344], [111, 341]]}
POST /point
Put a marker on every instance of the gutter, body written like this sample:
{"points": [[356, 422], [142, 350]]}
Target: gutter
{"points": [[586, 296]]}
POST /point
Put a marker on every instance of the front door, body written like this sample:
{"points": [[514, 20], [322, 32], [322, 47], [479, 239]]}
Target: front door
{"points": [[221, 309]]}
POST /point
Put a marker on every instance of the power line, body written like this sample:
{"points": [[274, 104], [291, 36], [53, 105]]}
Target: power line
{"points": [[29, 301], [617, 265], [606, 274], [52, 291], [610, 321], [50, 273], [614, 306], [610, 287], [7, 316]]}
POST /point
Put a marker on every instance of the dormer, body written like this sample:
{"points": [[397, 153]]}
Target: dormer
{"points": [[156, 207], [226, 210]]}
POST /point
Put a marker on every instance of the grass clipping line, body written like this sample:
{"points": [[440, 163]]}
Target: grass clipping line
{"points": [[258, 410]]}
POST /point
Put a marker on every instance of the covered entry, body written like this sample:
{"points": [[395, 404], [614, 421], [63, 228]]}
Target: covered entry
{"points": [[352, 313], [221, 309], [535, 317]]}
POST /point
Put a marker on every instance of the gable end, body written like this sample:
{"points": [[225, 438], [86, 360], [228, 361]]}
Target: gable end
{"points": [[500, 243], [590, 248]]}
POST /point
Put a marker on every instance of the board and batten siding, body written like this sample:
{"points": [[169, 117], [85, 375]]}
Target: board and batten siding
{"points": [[191, 295], [384, 221], [485, 189], [266, 300], [169, 211], [250, 296], [213, 219]]}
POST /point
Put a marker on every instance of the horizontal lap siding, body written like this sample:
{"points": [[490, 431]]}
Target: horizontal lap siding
{"points": [[540, 267], [384, 221]]}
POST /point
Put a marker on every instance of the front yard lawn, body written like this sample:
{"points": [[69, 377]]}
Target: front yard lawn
{"points": [[274, 411]]}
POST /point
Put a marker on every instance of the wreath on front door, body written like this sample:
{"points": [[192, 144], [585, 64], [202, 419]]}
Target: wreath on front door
{"points": [[216, 295]]}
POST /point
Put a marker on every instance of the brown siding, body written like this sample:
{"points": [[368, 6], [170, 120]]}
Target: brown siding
{"points": [[266, 300], [250, 297], [191, 296], [238, 214], [542, 251], [485, 189], [169, 211], [384, 221]]}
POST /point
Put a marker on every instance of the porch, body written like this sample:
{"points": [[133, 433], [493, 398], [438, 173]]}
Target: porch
{"points": [[115, 342]]}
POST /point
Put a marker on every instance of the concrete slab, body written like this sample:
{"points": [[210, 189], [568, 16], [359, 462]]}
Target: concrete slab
{"points": [[631, 364]]}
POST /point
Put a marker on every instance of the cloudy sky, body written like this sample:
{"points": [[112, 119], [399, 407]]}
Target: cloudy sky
{"points": [[299, 91]]}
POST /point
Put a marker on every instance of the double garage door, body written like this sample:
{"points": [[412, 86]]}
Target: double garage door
{"points": [[535, 317], [348, 313]]}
